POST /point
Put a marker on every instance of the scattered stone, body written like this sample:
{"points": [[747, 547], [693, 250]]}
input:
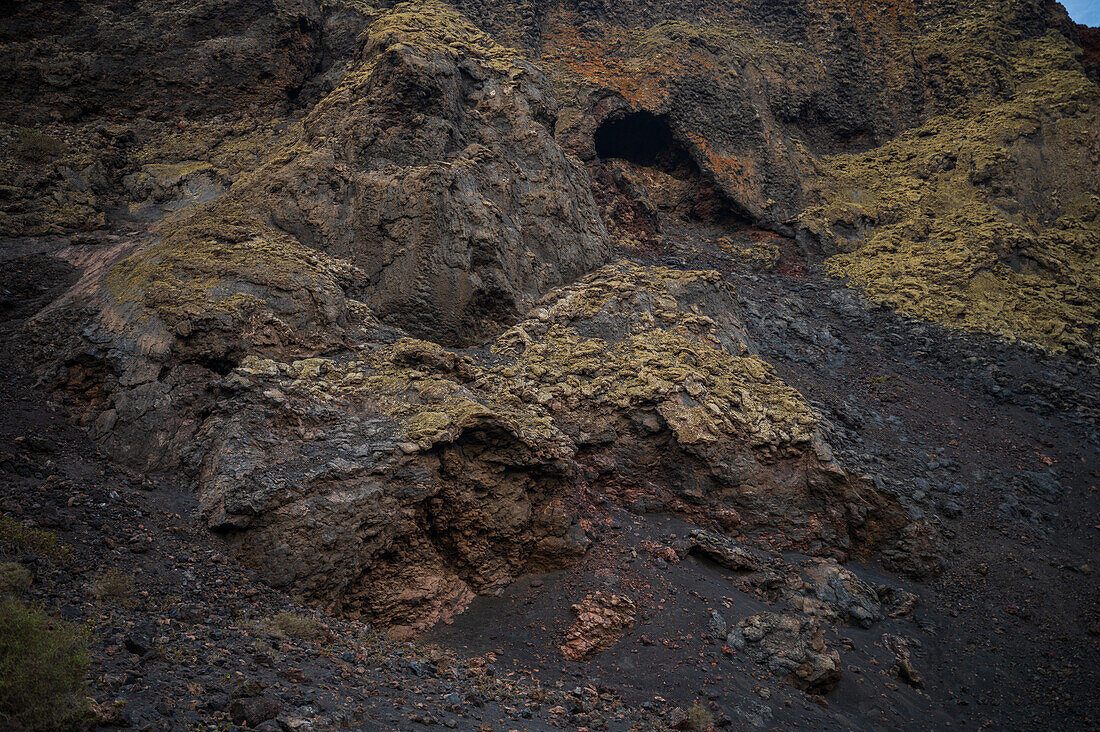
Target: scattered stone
{"points": [[904, 669], [718, 625], [251, 711]]}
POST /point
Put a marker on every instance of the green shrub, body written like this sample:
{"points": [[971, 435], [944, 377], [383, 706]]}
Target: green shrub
{"points": [[39, 541], [42, 665], [116, 588], [14, 578], [699, 719], [299, 627]]}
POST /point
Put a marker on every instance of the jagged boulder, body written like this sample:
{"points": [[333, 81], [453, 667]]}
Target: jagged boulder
{"points": [[426, 190], [791, 647], [601, 620], [833, 592], [723, 551]]}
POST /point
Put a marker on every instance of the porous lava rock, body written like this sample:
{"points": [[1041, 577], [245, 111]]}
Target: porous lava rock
{"points": [[398, 480], [426, 190], [601, 620], [650, 373], [393, 486], [433, 168], [789, 646], [723, 551]]}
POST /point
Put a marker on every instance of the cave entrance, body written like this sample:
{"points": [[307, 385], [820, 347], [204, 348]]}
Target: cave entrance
{"points": [[643, 138], [659, 175]]}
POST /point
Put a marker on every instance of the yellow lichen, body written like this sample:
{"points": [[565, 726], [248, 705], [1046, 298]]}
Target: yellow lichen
{"points": [[671, 363], [931, 223], [214, 261], [671, 359]]}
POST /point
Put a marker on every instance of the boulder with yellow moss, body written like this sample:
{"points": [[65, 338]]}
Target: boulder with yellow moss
{"points": [[399, 479]]}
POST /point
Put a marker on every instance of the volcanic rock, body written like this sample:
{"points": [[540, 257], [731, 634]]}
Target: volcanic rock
{"points": [[723, 550], [789, 646], [601, 621]]}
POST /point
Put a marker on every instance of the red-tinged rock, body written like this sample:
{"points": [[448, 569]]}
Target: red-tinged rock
{"points": [[601, 621]]}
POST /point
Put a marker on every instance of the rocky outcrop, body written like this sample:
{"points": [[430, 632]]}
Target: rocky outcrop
{"points": [[809, 118], [261, 341], [398, 481], [651, 375], [802, 118], [985, 218], [433, 168], [449, 143], [389, 486], [791, 647]]}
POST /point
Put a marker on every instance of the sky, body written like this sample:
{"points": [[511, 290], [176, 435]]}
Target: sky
{"points": [[1084, 11]]}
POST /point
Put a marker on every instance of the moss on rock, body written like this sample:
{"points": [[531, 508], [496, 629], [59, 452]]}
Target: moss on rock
{"points": [[221, 262], [985, 219], [667, 357], [46, 183]]}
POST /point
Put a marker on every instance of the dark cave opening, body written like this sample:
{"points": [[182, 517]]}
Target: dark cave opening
{"points": [[642, 138], [646, 140]]}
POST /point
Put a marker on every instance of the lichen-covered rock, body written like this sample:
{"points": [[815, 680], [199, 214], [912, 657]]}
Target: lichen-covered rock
{"points": [[601, 621], [791, 647], [947, 168], [388, 487], [986, 217], [260, 341], [426, 190], [651, 367], [47, 184]]}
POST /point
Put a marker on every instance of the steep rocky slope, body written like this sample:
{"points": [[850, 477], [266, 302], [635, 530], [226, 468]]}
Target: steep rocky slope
{"points": [[416, 301]]}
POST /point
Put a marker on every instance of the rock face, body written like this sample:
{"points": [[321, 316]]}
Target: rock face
{"points": [[432, 167], [999, 110], [156, 59], [651, 367], [789, 646], [958, 221], [386, 486], [398, 480], [804, 118], [381, 333]]}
